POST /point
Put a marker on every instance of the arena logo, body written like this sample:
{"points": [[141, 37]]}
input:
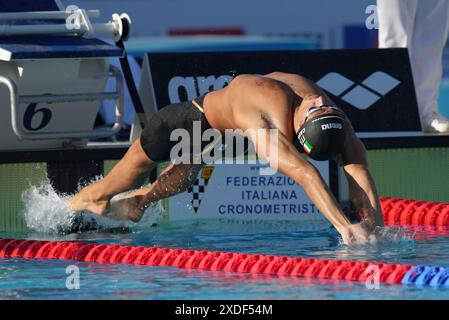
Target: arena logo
{"points": [[195, 86], [362, 95]]}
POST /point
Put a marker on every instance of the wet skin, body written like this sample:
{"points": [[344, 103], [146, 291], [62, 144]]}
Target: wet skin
{"points": [[253, 104]]}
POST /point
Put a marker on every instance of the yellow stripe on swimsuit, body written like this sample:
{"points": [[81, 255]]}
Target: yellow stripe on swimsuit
{"points": [[197, 106]]}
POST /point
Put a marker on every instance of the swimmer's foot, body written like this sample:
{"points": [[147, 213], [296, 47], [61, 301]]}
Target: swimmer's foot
{"points": [[130, 208], [85, 201]]}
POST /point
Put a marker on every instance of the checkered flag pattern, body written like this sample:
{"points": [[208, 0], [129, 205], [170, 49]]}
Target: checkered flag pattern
{"points": [[197, 191]]}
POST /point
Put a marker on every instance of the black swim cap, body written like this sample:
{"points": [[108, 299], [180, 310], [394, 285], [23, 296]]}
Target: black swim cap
{"points": [[322, 138]]}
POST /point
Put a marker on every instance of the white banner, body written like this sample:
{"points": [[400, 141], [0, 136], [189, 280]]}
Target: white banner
{"points": [[238, 191]]}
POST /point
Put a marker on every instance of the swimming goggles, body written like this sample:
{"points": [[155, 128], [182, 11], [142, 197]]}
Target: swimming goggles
{"points": [[316, 108]]}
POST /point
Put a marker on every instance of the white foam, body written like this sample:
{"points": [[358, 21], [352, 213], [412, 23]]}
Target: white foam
{"points": [[385, 236], [47, 212]]}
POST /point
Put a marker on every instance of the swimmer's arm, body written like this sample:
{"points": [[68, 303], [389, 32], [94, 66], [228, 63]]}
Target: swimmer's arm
{"points": [[303, 87], [289, 162], [362, 189]]}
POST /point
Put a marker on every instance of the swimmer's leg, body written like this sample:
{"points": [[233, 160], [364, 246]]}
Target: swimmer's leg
{"points": [[174, 179], [130, 172]]}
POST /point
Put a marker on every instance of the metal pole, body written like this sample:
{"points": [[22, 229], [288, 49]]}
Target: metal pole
{"points": [[55, 29], [44, 15]]}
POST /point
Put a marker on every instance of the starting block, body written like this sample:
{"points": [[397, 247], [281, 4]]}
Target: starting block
{"points": [[53, 74]]}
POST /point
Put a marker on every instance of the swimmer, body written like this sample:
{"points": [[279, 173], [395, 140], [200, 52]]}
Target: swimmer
{"points": [[306, 120]]}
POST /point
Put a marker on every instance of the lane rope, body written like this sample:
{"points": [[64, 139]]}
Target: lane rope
{"points": [[225, 261], [396, 212], [402, 212]]}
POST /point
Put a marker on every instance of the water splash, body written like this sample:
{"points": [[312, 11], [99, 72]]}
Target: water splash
{"points": [[45, 211], [385, 244], [392, 235], [384, 236]]}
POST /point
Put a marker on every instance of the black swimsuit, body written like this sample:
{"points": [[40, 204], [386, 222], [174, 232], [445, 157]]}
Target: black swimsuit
{"points": [[155, 138]]}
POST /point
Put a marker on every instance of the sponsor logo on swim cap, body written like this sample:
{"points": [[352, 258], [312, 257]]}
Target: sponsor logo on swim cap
{"points": [[331, 126]]}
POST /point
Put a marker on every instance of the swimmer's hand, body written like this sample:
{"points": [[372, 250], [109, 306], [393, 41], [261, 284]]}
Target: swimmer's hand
{"points": [[359, 233]]}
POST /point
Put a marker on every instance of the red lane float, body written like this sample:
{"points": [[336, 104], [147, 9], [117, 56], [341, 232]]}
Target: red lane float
{"points": [[414, 212], [201, 259]]}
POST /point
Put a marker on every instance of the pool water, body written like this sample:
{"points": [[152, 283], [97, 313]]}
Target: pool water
{"points": [[46, 279]]}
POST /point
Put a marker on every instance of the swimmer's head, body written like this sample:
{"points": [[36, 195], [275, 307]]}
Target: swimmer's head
{"points": [[322, 133]]}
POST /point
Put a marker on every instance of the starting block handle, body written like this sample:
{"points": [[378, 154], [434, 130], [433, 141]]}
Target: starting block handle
{"points": [[54, 29], [119, 27], [44, 15], [48, 98]]}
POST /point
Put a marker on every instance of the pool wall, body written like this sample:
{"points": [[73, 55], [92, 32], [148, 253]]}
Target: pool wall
{"points": [[413, 173]]}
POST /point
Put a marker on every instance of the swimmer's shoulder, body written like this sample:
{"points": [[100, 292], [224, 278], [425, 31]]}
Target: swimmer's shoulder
{"points": [[243, 80], [243, 86], [252, 80], [259, 85], [247, 90]]}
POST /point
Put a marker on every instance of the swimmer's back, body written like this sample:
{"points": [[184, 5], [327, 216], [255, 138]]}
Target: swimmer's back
{"points": [[244, 99]]}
